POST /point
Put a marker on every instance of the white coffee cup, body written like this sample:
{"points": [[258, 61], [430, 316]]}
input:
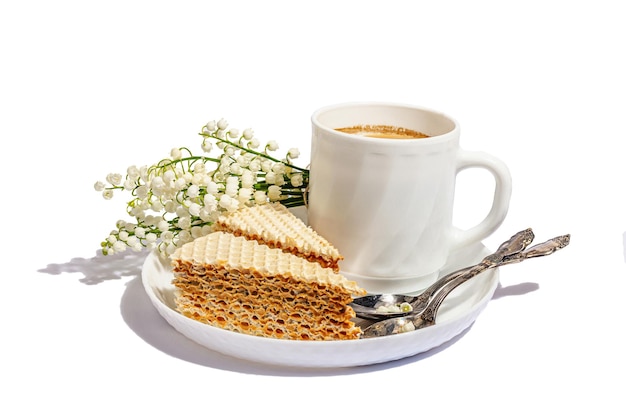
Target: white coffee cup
{"points": [[387, 204]]}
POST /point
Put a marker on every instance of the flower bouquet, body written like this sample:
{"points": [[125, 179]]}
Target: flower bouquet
{"points": [[179, 198]]}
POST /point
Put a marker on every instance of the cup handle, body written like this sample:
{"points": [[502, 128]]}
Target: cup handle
{"points": [[501, 196]]}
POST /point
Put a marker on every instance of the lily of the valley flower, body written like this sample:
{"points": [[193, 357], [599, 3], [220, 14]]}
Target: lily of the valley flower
{"points": [[179, 198]]}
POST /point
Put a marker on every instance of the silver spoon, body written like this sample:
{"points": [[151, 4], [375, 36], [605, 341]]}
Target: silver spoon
{"points": [[426, 317], [384, 306]]}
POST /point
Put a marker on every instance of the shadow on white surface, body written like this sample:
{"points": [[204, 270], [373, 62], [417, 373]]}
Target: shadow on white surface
{"points": [[517, 289], [143, 319], [101, 268]]}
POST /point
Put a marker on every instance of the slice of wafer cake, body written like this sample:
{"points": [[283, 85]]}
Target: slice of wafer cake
{"points": [[277, 227], [241, 285]]}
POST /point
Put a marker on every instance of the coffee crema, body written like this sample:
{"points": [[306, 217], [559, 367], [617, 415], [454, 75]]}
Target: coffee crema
{"points": [[383, 132]]}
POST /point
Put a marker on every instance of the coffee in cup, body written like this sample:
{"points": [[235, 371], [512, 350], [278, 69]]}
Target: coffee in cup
{"points": [[383, 132]]}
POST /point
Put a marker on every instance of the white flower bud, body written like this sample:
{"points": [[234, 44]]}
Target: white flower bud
{"points": [[119, 247], [114, 179], [232, 186], [210, 202], [169, 176], [182, 210], [199, 168], [243, 161], [132, 241], [235, 169], [156, 206], [167, 237], [180, 184], [142, 191], [266, 165], [211, 126], [137, 212], [227, 202], [247, 179], [222, 124], [279, 168], [157, 182], [205, 213], [163, 226], [129, 184], [293, 153], [194, 209], [176, 153], [170, 249], [196, 232], [254, 165], [184, 222], [273, 192], [143, 173], [212, 188], [297, 180], [260, 197], [244, 195], [207, 146], [254, 143], [133, 172], [170, 206], [272, 145], [248, 134], [193, 191]]}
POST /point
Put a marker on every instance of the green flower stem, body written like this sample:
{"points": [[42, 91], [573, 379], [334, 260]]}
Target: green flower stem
{"points": [[252, 151]]}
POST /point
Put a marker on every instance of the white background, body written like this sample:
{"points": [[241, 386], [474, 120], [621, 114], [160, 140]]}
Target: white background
{"points": [[88, 88]]}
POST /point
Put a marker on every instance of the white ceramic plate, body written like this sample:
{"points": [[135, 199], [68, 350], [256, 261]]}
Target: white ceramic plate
{"points": [[457, 313]]}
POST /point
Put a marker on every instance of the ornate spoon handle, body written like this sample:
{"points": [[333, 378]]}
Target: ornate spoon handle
{"points": [[428, 316]]}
